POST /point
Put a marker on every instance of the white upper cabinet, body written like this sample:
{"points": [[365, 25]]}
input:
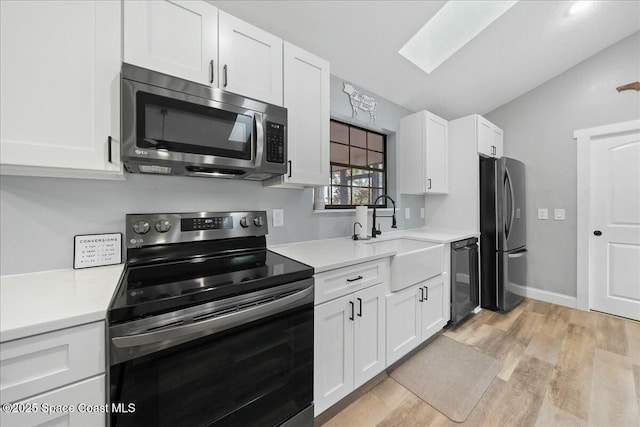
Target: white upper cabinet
{"points": [[175, 37], [423, 154], [250, 60], [60, 84], [306, 97], [490, 138]]}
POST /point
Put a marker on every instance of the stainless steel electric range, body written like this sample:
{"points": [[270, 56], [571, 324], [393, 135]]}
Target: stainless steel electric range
{"points": [[208, 327]]}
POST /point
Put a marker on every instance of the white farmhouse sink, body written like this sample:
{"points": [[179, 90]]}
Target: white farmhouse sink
{"points": [[415, 260]]}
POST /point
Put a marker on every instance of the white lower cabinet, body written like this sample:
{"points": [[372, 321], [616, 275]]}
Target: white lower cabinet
{"points": [[80, 404], [415, 314], [41, 374], [349, 342]]}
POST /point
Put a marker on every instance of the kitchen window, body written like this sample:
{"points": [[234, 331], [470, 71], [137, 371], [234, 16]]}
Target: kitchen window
{"points": [[358, 166]]}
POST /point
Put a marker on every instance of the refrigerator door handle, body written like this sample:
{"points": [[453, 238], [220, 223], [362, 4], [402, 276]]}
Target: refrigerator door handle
{"points": [[517, 254], [507, 182]]}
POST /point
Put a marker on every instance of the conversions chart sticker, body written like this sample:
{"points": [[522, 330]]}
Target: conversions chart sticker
{"points": [[92, 250]]}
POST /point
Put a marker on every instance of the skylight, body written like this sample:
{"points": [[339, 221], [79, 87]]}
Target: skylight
{"points": [[455, 24]]}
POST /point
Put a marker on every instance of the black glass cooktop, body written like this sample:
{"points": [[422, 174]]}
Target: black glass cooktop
{"points": [[158, 288]]}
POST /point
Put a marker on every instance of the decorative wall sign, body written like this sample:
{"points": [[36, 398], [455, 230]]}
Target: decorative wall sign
{"points": [[92, 250], [360, 101]]}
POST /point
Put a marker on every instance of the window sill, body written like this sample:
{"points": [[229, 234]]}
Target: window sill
{"points": [[350, 211]]}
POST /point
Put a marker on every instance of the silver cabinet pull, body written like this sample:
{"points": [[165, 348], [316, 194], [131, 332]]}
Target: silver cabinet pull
{"points": [[224, 75], [429, 184], [421, 294], [211, 72]]}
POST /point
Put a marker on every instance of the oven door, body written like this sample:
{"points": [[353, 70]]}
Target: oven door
{"points": [[245, 361]]}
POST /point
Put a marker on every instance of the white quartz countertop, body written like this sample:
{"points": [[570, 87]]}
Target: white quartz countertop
{"points": [[329, 254], [36, 303]]}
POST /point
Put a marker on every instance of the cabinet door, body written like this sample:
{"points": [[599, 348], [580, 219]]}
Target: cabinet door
{"points": [[498, 142], [437, 155], [411, 154], [306, 97], [175, 37], [251, 60], [60, 84], [490, 138], [369, 334], [433, 305], [403, 323], [485, 138], [333, 352], [90, 393]]}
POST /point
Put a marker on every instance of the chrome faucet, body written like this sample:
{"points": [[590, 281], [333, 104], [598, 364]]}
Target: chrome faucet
{"points": [[376, 232]]}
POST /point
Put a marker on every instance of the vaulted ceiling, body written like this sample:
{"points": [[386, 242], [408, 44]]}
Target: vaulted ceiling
{"points": [[528, 45]]}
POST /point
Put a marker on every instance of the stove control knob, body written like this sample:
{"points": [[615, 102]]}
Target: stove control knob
{"points": [[244, 222], [141, 227], [258, 221], [163, 226]]}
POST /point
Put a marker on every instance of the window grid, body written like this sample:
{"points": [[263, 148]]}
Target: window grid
{"points": [[358, 170]]}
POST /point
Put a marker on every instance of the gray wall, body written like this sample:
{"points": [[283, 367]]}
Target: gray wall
{"points": [[40, 216], [538, 129]]}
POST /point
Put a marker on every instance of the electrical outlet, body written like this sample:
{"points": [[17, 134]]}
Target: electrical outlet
{"points": [[543, 213], [278, 218], [407, 213], [421, 212], [559, 214]]}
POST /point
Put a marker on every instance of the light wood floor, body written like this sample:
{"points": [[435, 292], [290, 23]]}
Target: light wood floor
{"points": [[562, 367]]}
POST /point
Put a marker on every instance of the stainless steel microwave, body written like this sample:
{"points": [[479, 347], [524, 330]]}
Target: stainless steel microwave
{"points": [[172, 126]]}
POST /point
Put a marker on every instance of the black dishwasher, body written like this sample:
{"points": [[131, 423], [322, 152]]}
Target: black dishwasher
{"points": [[464, 279]]}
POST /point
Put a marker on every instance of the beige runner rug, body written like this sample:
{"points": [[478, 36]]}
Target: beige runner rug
{"points": [[449, 376]]}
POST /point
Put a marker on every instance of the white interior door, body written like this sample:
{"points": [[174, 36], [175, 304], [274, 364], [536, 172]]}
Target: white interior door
{"points": [[614, 246]]}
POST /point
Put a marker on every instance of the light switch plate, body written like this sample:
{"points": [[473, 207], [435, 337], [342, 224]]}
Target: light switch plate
{"points": [[278, 218], [559, 214], [421, 212], [543, 213], [407, 213]]}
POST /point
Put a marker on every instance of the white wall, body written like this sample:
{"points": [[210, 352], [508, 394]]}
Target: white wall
{"points": [[40, 216], [538, 129]]}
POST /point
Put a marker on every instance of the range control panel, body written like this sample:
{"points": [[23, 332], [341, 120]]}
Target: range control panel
{"points": [[275, 142], [156, 229]]}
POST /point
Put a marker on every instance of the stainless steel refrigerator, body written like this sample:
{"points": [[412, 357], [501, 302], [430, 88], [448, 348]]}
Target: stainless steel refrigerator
{"points": [[503, 244]]}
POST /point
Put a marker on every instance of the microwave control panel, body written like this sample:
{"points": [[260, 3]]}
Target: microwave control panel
{"points": [[274, 142]]}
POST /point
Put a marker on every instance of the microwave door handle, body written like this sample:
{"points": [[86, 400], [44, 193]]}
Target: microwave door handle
{"points": [[216, 174], [258, 138]]}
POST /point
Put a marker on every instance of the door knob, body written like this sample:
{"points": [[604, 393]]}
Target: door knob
{"points": [[597, 233]]}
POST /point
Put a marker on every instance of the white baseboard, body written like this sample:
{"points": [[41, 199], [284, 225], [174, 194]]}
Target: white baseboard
{"points": [[546, 296]]}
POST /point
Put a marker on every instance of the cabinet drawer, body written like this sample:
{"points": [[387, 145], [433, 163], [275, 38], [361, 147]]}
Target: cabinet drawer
{"points": [[342, 281], [85, 401], [36, 364]]}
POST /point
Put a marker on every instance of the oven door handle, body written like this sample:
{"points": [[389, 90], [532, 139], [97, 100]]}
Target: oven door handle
{"points": [[217, 324]]}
